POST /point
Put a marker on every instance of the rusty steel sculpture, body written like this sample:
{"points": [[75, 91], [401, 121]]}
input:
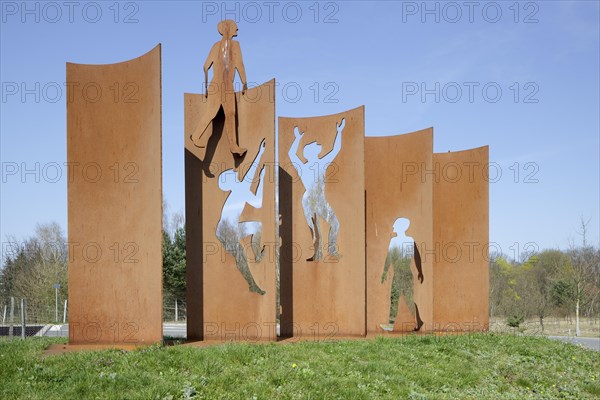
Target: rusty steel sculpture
{"points": [[226, 58], [324, 291], [115, 211], [374, 234]]}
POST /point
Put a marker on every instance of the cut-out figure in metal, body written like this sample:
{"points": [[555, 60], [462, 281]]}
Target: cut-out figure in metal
{"points": [[312, 175], [230, 231], [401, 250], [225, 57]]}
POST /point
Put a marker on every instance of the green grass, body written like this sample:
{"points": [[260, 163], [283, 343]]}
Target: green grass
{"points": [[480, 366]]}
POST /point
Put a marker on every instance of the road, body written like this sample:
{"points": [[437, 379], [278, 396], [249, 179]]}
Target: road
{"points": [[587, 342]]}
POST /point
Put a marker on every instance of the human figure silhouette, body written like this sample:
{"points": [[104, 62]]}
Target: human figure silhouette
{"points": [[313, 200], [401, 250], [225, 57], [230, 231]]}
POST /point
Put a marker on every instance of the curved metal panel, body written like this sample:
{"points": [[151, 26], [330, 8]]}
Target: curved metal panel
{"points": [[398, 184], [115, 201], [231, 293], [324, 297], [461, 234]]}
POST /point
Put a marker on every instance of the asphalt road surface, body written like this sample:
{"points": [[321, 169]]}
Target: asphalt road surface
{"points": [[587, 342]]}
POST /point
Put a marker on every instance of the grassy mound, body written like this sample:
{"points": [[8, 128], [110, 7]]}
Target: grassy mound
{"points": [[479, 366]]}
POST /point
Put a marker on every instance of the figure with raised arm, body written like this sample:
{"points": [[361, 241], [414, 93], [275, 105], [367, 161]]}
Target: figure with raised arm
{"points": [[230, 231], [401, 250], [225, 58], [313, 200]]}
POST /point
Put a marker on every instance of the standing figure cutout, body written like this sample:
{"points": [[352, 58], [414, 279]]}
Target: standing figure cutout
{"points": [[312, 175], [401, 250], [225, 57], [230, 231]]}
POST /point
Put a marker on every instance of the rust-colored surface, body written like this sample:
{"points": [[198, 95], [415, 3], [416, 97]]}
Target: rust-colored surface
{"points": [[397, 186], [58, 349], [461, 234], [225, 57], [115, 201], [220, 304], [327, 297]]}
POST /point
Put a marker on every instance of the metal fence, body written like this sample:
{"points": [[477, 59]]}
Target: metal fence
{"points": [[20, 318], [174, 310]]}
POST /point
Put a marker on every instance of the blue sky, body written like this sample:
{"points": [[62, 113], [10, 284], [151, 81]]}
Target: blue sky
{"points": [[543, 56]]}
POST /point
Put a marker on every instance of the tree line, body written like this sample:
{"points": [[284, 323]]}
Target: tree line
{"points": [[559, 283], [31, 268]]}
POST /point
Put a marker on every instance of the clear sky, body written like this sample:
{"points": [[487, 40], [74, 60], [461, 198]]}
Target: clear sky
{"points": [[412, 64]]}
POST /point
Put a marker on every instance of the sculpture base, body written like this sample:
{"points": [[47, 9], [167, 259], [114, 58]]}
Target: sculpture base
{"points": [[57, 349]]}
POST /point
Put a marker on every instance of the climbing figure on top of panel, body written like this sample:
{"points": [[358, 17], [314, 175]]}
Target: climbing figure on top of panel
{"points": [[225, 57]]}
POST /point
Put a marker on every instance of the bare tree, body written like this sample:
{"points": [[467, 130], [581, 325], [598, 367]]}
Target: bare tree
{"points": [[582, 273]]}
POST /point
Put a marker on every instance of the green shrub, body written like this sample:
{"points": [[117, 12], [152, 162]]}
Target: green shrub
{"points": [[514, 321]]}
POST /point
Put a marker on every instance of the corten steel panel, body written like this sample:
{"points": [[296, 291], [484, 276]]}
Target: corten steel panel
{"points": [[115, 201], [398, 185], [323, 298], [220, 305], [461, 234]]}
